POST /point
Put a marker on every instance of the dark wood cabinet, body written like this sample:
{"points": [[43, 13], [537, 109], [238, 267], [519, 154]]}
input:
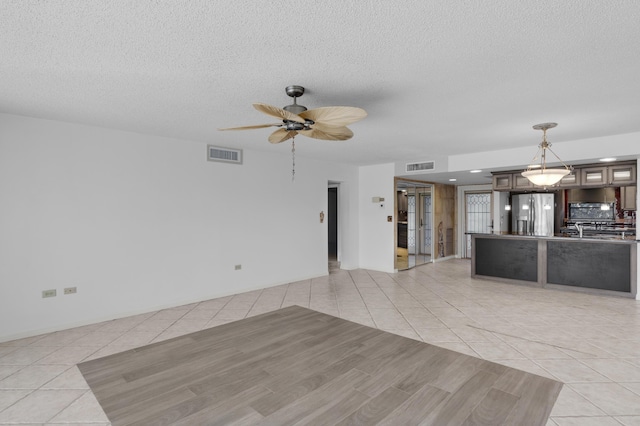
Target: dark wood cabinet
{"points": [[616, 174], [623, 174], [521, 182], [594, 176], [628, 197], [570, 181], [502, 182], [583, 176]]}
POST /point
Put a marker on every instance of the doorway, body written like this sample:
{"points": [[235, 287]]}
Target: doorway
{"points": [[333, 227], [414, 218], [332, 223]]}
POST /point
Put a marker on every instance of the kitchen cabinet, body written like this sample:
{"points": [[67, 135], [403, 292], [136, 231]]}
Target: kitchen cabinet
{"points": [[618, 174], [622, 174], [521, 182], [502, 182], [583, 176], [596, 266], [570, 181], [594, 176], [628, 197], [509, 181]]}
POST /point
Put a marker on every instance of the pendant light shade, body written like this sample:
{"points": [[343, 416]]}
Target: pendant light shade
{"points": [[539, 174], [545, 177]]}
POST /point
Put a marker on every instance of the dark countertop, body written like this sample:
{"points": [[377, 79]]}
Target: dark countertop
{"points": [[590, 239]]}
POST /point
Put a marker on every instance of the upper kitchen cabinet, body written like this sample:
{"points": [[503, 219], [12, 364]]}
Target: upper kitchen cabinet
{"points": [[594, 176], [570, 181], [615, 174], [502, 182], [515, 181], [622, 174], [582, 176], [521, 182], [509, 181]]}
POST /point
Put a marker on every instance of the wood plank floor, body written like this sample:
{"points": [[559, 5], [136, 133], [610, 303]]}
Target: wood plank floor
{"points": [[298, 366]]}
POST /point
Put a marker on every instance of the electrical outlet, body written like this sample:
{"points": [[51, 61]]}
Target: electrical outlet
{"points": [[238, 267], [70, 290], [49, 293]]}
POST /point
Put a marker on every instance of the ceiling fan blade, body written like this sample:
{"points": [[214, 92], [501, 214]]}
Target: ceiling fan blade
{"points": [[278, 112], [281, 135], [328, 133], [257, 126], [335, 116]]}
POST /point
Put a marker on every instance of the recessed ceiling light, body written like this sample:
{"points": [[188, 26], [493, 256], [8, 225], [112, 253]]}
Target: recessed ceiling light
{"points": [[475, 171], [453, 180], [608, 159]]}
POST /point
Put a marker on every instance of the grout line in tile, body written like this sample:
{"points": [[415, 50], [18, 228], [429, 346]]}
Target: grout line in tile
{"points": [[528, 340]]}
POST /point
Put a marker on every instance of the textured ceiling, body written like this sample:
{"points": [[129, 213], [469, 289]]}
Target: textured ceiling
{"points": [[436, 77]]}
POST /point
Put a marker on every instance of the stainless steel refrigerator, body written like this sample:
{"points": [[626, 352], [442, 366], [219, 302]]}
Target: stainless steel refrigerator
{"points": [[532, 214]]}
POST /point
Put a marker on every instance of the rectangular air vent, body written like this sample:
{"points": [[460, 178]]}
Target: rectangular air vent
{"points": [[224, 155], [420, 167]]}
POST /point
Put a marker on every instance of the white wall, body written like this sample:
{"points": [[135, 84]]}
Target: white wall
{"points": [[140, 222], [348, 223], [377, 249]]}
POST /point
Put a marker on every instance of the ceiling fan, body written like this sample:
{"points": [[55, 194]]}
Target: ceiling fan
{"points": [[327, 123]]}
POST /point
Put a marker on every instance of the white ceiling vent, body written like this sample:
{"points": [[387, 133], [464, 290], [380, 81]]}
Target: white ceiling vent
{"points": [[420, 167], [224, 155]]}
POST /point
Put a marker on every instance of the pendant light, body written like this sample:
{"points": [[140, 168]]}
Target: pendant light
{"points": [[539, 174]]}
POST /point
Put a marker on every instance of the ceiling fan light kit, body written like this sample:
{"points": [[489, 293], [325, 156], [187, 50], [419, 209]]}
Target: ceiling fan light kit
{"points": [[326, 123], [539, 174]]}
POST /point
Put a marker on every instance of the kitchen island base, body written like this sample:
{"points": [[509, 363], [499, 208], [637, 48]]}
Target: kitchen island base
{"points": [[587, 265]]}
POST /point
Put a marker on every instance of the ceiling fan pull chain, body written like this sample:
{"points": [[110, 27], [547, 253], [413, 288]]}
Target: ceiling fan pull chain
{"points": [[293, 158]]}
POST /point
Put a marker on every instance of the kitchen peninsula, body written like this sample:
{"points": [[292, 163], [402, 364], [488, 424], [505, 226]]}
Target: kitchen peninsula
{"points": [[579, 234], [605, 266]]}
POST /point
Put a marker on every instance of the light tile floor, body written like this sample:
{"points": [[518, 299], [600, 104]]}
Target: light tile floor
{"points": [[591, 343]]}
